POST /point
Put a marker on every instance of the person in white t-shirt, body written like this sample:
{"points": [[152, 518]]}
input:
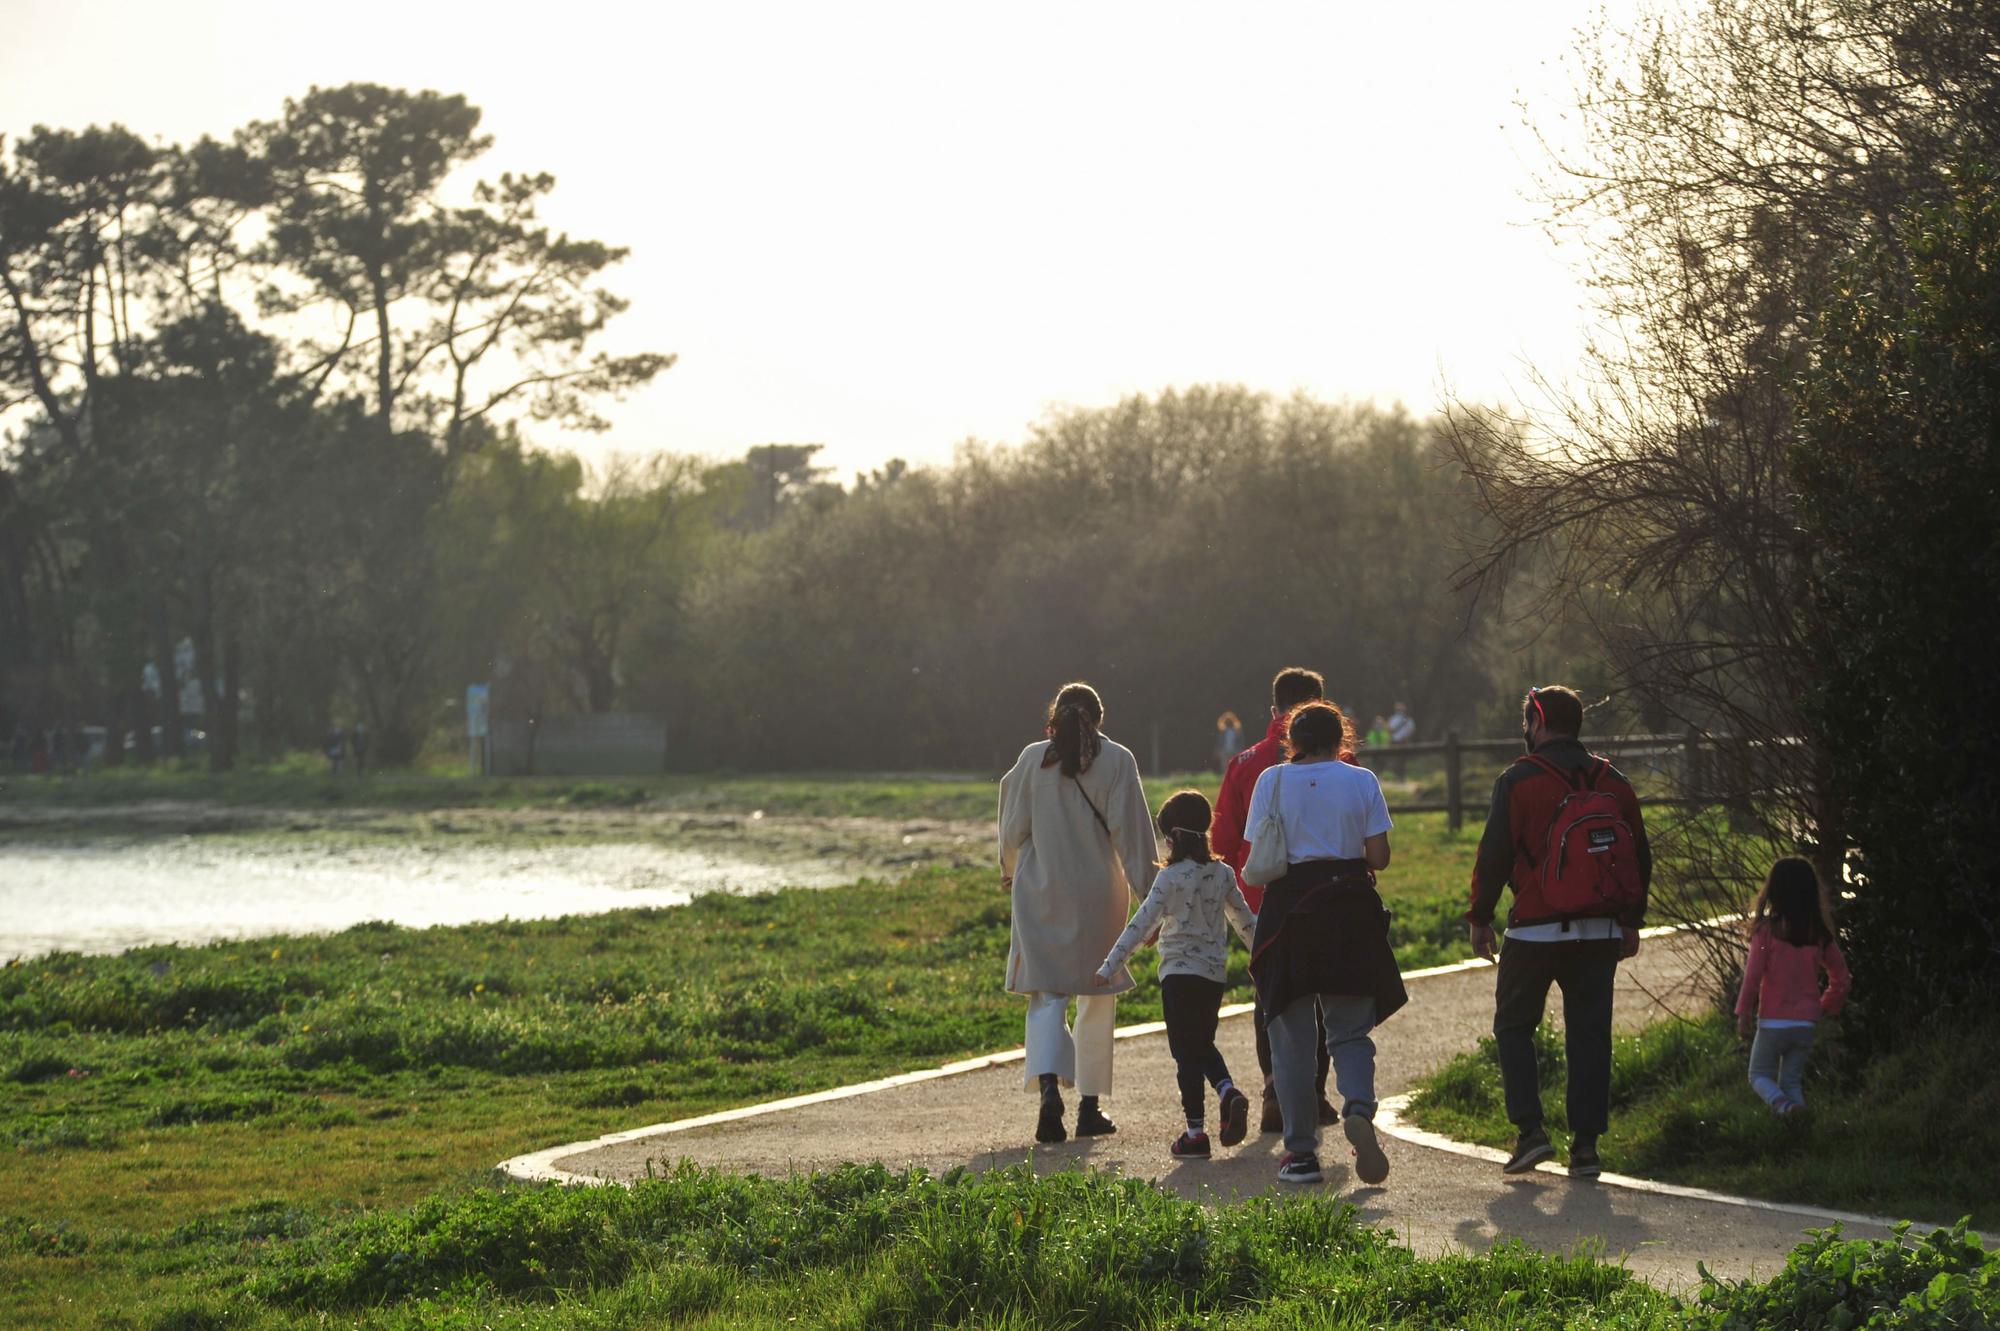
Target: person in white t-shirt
{"points": [[1323, 937]]}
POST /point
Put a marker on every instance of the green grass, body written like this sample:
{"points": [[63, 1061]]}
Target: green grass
{"points": [[302, 782], [298, 1132], [214, 1136], [1915, 1133], [170, 1086]]}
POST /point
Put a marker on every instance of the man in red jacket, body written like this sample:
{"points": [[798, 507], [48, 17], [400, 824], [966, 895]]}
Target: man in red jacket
{"points": [[1292, 686], [1578, 951]]}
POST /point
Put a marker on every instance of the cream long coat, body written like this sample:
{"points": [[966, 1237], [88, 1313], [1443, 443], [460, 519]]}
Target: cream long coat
{"points": [[1073, 885]]}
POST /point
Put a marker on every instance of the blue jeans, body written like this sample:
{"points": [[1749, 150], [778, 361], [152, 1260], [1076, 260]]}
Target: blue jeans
{"points": [[1295, 1060], [1778, 1062]]}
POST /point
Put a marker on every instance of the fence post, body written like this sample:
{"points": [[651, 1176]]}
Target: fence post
{"points": [[1454, 782], [1691, 773]]}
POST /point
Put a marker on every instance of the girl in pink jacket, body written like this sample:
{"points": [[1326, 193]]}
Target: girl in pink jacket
{"points": [[1791, 942]]}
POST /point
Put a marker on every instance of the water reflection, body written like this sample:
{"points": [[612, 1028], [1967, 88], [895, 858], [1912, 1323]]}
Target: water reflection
{"points": [[105, 898]]}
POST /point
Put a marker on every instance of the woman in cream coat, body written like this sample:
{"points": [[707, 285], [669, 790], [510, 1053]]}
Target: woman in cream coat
{"points": [[1076, 845]]}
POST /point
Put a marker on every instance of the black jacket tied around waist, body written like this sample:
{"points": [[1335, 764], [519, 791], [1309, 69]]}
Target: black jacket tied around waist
{"points": [[1324, 930]]}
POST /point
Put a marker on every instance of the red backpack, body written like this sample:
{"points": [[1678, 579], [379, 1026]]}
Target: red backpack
{"points": [[1590, 859]]}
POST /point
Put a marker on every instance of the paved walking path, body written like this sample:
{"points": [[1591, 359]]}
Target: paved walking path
{"points": [[1435, 1199]]}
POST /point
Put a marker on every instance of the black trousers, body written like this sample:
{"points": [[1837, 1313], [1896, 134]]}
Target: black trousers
{"points": [[1585, 972], [1190, 1004], [1264, 1047]]}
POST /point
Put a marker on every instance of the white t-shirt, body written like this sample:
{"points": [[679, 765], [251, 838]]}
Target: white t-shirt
{"points": [[1330, 809]]}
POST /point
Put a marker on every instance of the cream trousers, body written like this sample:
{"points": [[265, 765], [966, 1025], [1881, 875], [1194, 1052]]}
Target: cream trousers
{"points": [[1080, 1056]]}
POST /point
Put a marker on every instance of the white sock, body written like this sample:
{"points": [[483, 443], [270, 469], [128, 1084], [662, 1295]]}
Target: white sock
{"points": [[1195, 1126]]}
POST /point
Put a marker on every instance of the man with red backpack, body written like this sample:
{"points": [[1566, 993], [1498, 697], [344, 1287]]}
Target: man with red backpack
{"points": [[1564, 832]]}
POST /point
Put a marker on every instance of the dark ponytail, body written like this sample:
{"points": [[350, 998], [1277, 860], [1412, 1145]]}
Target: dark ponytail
{"points": [[1073, 721]]}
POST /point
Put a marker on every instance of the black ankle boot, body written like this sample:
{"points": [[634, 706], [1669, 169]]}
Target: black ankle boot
{"points": [[1049, 1127], [1090, 1120]]}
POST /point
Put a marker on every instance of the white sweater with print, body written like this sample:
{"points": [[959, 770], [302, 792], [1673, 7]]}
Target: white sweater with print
{"points": [[1193, 906]]}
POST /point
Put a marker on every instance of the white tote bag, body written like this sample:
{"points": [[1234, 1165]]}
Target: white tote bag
{"points": [[1269, 858]]}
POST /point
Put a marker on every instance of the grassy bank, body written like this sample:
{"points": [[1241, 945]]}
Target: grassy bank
{"points": [[1915, 1133], [863, 1247], [170, 1087], [304, 783]]}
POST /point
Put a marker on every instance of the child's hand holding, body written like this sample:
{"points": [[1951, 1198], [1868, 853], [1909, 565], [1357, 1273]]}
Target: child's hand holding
{"points": [[1100, 981], [1746, 1025]]}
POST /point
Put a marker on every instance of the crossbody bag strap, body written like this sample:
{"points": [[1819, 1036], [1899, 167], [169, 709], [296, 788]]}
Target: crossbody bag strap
{"points": [[1093, 809]]}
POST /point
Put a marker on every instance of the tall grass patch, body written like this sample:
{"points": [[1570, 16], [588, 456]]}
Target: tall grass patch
{"points": [[1913, 1134]]}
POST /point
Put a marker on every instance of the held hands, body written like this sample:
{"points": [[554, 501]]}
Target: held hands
{"points": [[1628, 944], [1746, 1025], [1006, 882], [1483, 942], [1100, 981]]}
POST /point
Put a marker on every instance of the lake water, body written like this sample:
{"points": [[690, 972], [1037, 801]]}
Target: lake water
{"points": [[108, 897]]}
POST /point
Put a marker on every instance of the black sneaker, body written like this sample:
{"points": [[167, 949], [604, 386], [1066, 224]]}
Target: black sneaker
{"points": [[1049, 1127], [1191, 1143], [1235, 1116], [1328, 1115], [1091, 1122], [1530, 1150], [1300, 1168], [1583, 1161]]}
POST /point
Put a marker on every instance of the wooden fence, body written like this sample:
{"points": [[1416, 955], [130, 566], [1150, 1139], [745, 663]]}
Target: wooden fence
{"points": [[1664, 769]]}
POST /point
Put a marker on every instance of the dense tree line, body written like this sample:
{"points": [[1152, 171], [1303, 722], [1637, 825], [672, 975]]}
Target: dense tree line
{"points": [[1175, 550], [270, 400], [245, 377]]}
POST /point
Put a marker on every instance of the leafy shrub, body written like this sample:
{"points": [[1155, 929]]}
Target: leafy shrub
{"points": [[1946, 1280]]}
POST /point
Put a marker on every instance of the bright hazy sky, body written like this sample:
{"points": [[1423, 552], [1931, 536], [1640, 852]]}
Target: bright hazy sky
{"points": [[889, 228]]}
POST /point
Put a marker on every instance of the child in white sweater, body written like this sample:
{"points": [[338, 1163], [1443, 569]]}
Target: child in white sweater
{"points": [[1193, 902]]}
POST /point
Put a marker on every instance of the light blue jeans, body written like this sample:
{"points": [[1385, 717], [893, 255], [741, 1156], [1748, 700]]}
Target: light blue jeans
{"points": [[1778, 1062], [1295, 1062]]}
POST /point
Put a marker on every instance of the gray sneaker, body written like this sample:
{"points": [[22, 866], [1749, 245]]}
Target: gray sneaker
{"points": [[1530, 1150], [1371, 1166]]}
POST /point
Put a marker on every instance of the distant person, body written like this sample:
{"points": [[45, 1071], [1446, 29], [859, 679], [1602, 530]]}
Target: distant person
{"points": [[1402, 730], [358, 742], [1322, 963], [1791, 944], [19, 748], [1193, 904], [38, 752], [336, 749], [1228, 739], [1377, 741], [1564, 832], [1076, 841], [59, 750], [1290, 687]]}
